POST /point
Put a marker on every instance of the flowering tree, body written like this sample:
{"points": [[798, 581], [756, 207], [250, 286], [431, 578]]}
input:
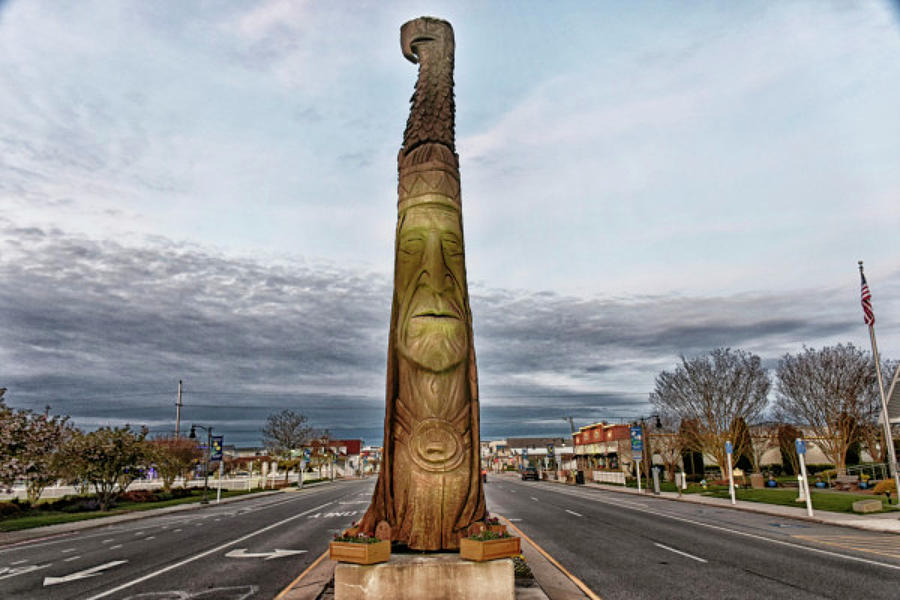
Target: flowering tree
{"points": [[172, 456], [107, 458], [29, 446]]}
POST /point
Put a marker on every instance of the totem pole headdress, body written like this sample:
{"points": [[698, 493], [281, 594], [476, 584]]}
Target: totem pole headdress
{"points": [[427, 163]]}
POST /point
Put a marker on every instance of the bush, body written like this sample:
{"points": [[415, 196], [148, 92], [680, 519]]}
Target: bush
{"points": [[818, 468], [139, 496], [8, 509], [885, 485]]}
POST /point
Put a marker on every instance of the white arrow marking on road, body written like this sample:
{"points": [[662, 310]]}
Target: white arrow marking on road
{"points": [[6, 572], [82, 574], [242, 553]]}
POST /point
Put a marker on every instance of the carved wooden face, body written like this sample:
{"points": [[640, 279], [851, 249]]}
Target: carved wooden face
{"points": [[430, 286]]}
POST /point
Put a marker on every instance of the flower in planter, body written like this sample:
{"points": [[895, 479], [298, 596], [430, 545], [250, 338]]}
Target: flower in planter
{"points": [[488, 535]]}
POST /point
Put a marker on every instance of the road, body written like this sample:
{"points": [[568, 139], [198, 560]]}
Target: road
{"points": [[630, 547], [224, 552]]}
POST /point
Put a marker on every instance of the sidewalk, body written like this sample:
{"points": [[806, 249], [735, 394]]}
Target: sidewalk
{"points": [[884, 522]]}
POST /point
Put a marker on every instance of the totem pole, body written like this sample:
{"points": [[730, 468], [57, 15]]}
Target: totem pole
{"points": [[429, 490]]}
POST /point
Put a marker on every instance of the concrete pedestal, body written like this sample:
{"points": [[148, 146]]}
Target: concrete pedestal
{"points": [[426, 577]]}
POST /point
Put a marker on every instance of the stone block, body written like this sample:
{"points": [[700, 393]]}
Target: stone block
{"points": [[426, 577], [867, 506]]}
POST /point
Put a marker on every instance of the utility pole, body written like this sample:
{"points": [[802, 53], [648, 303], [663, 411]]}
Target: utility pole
{"points": [[178, 412]]}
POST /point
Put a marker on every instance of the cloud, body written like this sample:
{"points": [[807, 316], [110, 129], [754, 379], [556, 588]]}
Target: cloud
{"points": [[103, 330]]}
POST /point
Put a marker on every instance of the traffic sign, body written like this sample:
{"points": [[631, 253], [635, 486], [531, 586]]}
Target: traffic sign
{"points": [[729, 448], [800, 445]]}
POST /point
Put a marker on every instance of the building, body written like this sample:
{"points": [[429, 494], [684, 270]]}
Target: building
{"points": [[603, 447]]}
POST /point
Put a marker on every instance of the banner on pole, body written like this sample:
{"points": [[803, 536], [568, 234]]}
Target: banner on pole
{"points": [[215, 451]]}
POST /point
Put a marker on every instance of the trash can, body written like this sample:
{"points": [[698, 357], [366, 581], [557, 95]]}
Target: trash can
{"points": [[579, 477]]}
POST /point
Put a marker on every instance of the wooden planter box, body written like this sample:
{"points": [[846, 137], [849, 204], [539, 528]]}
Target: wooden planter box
{"points": [[490, 549], [501, 529], [361, 554]]}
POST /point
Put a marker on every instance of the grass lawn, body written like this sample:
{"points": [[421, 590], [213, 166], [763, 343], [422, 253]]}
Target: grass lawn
{"points": [[832, 501], [47, 516]]}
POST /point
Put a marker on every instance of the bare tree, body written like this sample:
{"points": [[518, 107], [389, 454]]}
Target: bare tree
{"points": [[286, 431], [668, 444], [834, 391], [764, 438], [713, 391]]}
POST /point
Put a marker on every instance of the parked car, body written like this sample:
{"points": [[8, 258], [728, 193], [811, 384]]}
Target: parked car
{"points": [[529, 473]]}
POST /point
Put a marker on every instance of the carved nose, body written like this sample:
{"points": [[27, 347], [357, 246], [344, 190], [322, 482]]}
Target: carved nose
{"points": [[437, 273]]}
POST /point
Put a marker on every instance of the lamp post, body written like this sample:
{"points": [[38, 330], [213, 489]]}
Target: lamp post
{"points": [[193, 436], [646, 452]]}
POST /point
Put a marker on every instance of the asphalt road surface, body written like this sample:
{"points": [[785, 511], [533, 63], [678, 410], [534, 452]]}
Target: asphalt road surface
{"points": [[627, 547], [242, 550]]}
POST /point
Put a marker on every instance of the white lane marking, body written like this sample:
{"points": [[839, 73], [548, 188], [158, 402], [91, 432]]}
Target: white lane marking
{"points": [[17, 562], [572, 512], [71, 558], [82, 574], [6, 572], [513, 520], [116, 547], [67, 550], [242, 553], [177, 530], [743, 533], [535, 499], [139, 533], [205, 553], [664, 547], [150, 537], [106, 541]]}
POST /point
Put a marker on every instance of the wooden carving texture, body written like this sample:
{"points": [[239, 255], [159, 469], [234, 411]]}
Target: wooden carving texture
{"points": [[429, 488]]}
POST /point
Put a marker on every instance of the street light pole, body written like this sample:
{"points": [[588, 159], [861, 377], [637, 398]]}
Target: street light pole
{"points": [[208, 448]]}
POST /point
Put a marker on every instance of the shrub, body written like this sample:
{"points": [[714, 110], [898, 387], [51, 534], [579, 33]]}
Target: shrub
{"points": [[8, 509], [885, 485]]}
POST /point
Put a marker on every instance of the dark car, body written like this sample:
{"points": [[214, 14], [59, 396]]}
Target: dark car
{"points": [[529, 473]]}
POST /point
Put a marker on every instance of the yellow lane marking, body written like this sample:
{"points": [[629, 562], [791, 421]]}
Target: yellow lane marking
{"points": [[291, 585], [882, 547], [581, 585]]}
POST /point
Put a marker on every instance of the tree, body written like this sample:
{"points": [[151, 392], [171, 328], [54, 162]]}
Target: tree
{"points": [[742, 445], [786, 435], [29, 444], [713, 391], [173, 456], [13, 445], [764, 438], [107, 458], [668, 444], [834, 391], [286, 431]]}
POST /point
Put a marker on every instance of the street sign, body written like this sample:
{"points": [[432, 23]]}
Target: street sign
{"points": [[729, 448], [800, 445], [215, 452], [637, 440]]}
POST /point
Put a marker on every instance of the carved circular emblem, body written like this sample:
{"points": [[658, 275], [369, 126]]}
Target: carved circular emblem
{"points": [[436, 446]]}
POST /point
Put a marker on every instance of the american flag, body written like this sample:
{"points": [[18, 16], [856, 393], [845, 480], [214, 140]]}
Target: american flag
{"points": [[866, 299]]}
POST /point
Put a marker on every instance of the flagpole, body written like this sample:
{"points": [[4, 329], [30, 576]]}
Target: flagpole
{"points": [[889, 439]]}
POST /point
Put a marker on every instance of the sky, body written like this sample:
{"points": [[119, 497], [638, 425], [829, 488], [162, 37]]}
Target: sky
{"points": [[206, 192]]}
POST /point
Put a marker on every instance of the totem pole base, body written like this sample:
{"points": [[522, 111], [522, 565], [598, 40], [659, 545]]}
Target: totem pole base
{"points": [[426, 577]]}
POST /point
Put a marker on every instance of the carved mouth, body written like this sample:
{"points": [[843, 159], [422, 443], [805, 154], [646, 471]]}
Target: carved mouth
{"points": [[434, 314]]}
